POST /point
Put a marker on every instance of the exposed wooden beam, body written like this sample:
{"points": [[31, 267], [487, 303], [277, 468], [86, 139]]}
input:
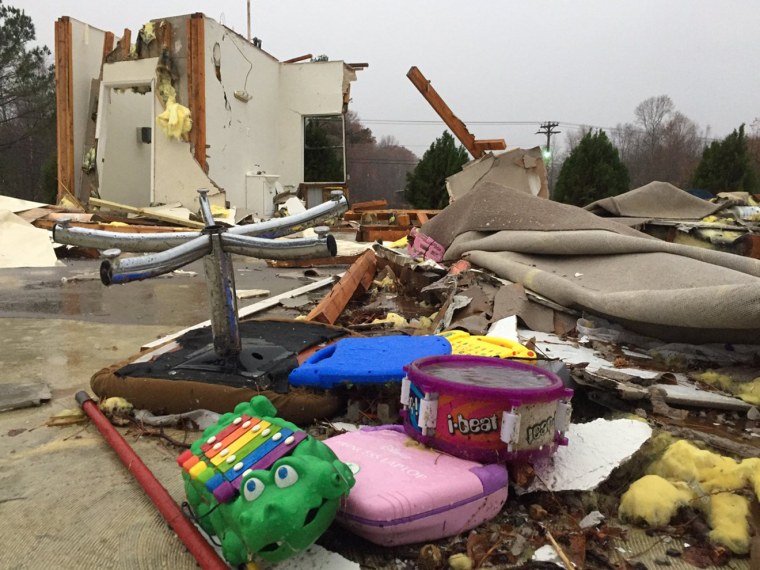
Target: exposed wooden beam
{"points": [[64, 105], [165, 35], [125, 43], [146, 213], [196, 87], [360, 274], [490, 144], [107, 45], [299, 58], [474, 147]]}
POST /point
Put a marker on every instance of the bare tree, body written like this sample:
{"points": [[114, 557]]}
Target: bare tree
{"points": [[376, 170], [661, 144], [651, 114], [680, 149]]}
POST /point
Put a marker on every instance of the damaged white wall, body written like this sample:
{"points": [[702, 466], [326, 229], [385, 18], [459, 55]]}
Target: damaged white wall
{"points": [[251, 143], [87, 53], [125, 164], [263, 135], [241, 136], [307, 89]]}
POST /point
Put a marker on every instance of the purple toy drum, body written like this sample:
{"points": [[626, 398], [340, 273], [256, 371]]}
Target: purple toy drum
{"points": [[485, 409]]}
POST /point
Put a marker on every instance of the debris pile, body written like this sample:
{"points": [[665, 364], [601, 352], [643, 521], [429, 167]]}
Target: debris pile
{"points": [[513, 382]]}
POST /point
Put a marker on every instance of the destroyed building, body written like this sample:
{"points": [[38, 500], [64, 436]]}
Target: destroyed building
{"points": [[234, 116], [599, 314]]}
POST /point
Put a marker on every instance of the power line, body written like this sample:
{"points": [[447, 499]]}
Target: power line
{"points": [[547, 129], [438, 122], [564, 124], [369, 161]]}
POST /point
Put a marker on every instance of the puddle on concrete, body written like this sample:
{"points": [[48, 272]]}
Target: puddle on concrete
{"points": [[64, 353]]}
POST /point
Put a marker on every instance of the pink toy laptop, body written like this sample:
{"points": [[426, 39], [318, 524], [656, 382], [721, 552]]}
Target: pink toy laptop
{"points": [[408, 493]]}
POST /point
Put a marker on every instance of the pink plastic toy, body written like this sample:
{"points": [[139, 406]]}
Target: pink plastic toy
{"points": [[408, 493]]}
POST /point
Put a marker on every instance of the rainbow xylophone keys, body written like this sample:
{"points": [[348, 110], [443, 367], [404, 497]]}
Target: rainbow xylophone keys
{"points": [[247, 444]]}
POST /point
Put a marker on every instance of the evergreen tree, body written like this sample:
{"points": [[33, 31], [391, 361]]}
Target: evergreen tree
{"points": [[27, 106], [726, 166], [323, 149], [593, 170], [426, 184]]}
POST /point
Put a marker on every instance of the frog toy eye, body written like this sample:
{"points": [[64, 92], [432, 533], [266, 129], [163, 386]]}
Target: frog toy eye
{"points": [[285, 476], [253, 489]]}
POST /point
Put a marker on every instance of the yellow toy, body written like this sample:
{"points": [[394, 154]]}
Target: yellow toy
{"points": [[464, 343]]}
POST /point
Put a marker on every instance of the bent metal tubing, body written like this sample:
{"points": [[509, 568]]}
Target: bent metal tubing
{"points": [[201, 550], [296, 248], [215, 244], [152, 265], [278, 227], [114, 272], [153, 242], [135, 243]]}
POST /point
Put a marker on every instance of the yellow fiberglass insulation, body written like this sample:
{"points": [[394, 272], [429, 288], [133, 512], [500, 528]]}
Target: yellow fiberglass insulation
{"points": [[727, 516], [654, 500], [175, 121], [711, 478], [747, 391], [394, 319]]}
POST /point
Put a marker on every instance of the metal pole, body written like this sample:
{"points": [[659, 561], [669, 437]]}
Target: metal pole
{"points": [[248, 6], [221, 291], [203, 552], [208, 217], [547, 129]]}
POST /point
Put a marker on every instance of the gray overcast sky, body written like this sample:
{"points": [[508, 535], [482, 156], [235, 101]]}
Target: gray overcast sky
{"points": [[578, 62]]}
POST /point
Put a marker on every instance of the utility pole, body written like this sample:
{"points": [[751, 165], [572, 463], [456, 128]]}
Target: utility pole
{"points": [[547, 128], [248, 7]]}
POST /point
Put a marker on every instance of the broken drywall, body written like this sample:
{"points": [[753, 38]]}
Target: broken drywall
{"points": [[16, 205], [23, 245], [521, 169], [594, 449]]}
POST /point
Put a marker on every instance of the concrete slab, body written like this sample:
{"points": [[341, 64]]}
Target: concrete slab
{"points": [[66, 499]]}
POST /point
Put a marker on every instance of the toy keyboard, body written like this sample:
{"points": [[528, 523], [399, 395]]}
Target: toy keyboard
{"points": [[247, 444]]}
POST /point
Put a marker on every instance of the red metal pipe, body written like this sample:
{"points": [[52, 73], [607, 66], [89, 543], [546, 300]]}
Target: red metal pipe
{"points": [[186, 531]]}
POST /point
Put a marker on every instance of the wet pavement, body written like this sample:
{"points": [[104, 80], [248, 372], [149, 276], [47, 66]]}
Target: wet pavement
{"points": [[65, 499]]}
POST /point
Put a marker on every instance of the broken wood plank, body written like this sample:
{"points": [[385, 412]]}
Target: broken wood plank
{"points": [[251, 309], [64, 97], [360, 274], [314, 262], [107, 48], [88, 179], [369, 205], [196, 88], [15, 396], [36, 213], [384, 215], [299, 58], [165, 35], [382, 233], [490, 144], [452, 121], [48, 224], [723, 444], [125, 43], [146, 213]]}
